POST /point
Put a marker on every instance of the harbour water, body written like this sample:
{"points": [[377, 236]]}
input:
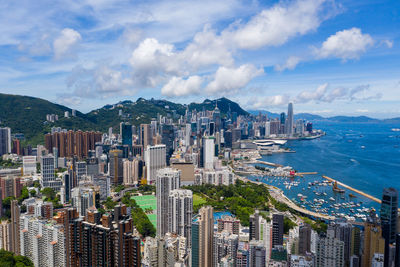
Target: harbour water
{"points": [[363, 156]]}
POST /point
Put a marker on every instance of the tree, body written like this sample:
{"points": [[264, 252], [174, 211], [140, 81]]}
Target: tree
{"points": [[8, 259], [109, 203], [49, 193], [24, 194], [32, 192]]}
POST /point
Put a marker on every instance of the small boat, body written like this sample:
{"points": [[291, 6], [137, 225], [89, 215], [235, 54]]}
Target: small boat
{"points": [[351, 195]]}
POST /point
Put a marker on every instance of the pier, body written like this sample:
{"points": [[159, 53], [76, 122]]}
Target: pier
{"points": [[353, 189], [306, 173], [268, 163]]}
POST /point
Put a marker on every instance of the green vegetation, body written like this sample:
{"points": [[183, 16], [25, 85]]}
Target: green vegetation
{"points": [[9, 163], [139, 217], [109, 204], [8, 259], [241, 199], [288, 224], [27, 115], [7, 207], [317, 226], [24, 194], [146, 188], [51, 196], [198, 200], [119, 188]]}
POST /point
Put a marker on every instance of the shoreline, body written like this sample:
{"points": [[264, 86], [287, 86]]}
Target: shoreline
{"points": [[279, 195]]}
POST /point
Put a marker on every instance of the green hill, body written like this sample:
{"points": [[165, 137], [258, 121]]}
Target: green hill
{"points": [[27, 115]]}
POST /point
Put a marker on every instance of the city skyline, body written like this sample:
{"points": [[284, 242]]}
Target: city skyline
{"points": [[328, 57]]}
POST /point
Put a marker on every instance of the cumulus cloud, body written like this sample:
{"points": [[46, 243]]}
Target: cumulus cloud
{"points": [[151, 59], [290, 64], [99, 82], [346, 44], [178, 86], [263, 102], [65, 42], [206, 49], [274, 26], [307, 96], [228, 80]]}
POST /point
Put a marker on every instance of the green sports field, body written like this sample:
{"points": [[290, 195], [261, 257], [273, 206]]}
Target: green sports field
{"points": [[145, 202]]}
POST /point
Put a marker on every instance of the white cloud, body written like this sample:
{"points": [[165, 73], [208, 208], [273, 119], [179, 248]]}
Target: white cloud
{"points": [[178, 86], [388, 43], [206, 49], [317, 95], [290, 64], [151, 59], [274, 26], [346, 44], [65, 42], [100, 82], [268, 101], [229, 80]]}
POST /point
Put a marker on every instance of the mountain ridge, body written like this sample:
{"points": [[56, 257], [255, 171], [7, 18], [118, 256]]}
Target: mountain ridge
{"points": [[27, 114]]}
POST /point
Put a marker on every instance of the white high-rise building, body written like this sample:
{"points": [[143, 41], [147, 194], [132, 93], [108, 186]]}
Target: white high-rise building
{"points": [[330, 251], [225, 244], [29, 165], [81, 170], [82, 198], [188, 132], [168, 179], [5, 141], [155, 159], [180, 213], [208, 152], [267, 128], [42, 242], [48, 175]]}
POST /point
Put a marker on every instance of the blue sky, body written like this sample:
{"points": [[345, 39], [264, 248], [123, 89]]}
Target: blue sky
{"points": [[328, 57]]}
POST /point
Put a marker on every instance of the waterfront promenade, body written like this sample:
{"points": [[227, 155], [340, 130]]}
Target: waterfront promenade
{"points": [[278, 194]]}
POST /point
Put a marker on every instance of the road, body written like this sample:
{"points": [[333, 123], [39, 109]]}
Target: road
{"points": [[277, 194]]}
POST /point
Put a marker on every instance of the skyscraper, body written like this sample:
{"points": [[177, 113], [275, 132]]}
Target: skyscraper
{"points": [[155, 158], [5, 141], [290, 120], [388, 214], [255, 226], [15, 234], [206, 232], [167, 180], [304, 239], [116, 167], [180, 213], [145, 136], [257, 253], [126, 133], [48, 175], [330, 251], [277, 230], [373, 240], [208, 152]]}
